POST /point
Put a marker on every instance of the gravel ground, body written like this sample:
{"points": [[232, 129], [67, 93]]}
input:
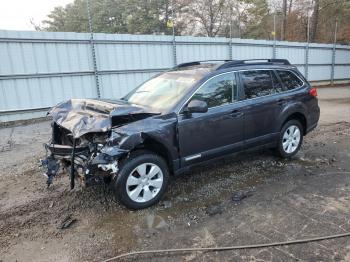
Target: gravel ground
{"points": [[286, 199]]}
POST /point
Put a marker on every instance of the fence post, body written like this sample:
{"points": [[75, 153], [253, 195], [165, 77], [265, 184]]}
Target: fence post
{"points": [[93, 51], [306, 67], [174, 51], [274, 37], [334, 52], [230, 42], [174, 40]]}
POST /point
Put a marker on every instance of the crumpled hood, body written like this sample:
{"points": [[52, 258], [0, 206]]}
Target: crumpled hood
{"points": [[82, 116]]}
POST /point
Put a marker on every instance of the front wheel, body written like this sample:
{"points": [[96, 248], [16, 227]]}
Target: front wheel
{"points": [[291, 138], [142, 180]]}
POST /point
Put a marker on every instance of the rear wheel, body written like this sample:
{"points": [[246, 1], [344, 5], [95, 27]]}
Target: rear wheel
{"points": [[142, 180], [291, 138]]}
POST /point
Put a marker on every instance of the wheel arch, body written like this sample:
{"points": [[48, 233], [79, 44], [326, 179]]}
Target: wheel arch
{"points": [[296, 116], [158, 148]]}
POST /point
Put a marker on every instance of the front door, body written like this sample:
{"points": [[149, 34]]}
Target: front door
{"points": [[220, 130]]}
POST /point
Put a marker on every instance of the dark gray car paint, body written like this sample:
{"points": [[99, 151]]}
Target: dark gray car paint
{"points": [[222, 130]]}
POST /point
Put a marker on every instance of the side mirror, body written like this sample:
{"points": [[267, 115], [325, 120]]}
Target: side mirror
{"points": [[197, 106]]}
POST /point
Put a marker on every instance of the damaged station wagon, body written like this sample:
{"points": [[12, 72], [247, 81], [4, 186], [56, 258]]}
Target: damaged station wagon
{"points": [[193, 113]]}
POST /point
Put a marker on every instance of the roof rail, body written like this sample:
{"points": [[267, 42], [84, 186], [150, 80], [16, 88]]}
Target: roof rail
{"points": [[233, 63], [199, 62]]}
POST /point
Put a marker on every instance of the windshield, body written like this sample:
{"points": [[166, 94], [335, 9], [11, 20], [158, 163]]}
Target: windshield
{"points": [[164, 91]]}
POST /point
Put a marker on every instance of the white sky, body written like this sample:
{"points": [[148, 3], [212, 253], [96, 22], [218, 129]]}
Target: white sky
{"points": [[16, 14]]}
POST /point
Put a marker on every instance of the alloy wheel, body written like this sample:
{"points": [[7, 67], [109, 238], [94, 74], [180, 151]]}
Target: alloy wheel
{"points": [[144, 182], [291, 139]]}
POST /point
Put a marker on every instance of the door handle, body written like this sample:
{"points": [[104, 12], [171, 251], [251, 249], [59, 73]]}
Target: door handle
{"points": [[281, 101], [236, 113]]}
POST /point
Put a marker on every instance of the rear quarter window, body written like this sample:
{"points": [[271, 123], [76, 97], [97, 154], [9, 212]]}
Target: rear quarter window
{"points": [[289, 79]]}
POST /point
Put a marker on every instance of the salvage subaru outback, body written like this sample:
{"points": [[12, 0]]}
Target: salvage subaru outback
{"points": [[193, 113]]}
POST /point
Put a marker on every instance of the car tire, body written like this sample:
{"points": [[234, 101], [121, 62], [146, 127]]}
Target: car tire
{"points": [[142, 180], [290, 139]]}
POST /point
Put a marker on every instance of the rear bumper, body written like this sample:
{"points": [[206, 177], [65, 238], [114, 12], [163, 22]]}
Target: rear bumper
{"points": [[310, 128], [312, 120]]}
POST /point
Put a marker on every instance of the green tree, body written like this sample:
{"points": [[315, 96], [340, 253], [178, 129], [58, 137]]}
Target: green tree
{"points": [[112, 16], [209, 14], [236, 18], [72, 18], [56, 20], [256, 19], [148, 16]]}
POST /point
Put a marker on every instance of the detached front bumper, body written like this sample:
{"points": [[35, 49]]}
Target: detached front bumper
{"points": [[64, 150], [89, 164]]}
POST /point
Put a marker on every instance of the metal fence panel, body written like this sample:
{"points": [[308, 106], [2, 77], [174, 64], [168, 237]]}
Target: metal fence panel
{"points": [[319, 73], [33, 93], [247, 52], [341, 72], [294, 55], [120, 53], [40, 69], [342, 56], [190, 48], [320, 56], [120, 84]]}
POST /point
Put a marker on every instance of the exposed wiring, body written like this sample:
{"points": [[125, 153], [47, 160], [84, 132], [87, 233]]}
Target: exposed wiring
{"points": [[178, 250]]}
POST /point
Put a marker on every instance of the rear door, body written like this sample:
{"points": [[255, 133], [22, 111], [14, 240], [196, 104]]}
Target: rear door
{"points": [[220, 130], [263, 99]]}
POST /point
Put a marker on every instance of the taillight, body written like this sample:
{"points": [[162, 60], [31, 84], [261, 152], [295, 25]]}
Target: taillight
{"points": [[313, 92]]}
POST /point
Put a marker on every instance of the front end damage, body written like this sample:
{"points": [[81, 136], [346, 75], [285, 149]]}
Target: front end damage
{"points": [[85, 143], [90, 163]]}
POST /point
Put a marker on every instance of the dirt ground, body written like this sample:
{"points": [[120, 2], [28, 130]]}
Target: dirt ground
{"points": [[306, 196]]}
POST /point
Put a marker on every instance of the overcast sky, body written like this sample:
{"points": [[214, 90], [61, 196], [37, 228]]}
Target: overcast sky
{"points": [[16, 14]]}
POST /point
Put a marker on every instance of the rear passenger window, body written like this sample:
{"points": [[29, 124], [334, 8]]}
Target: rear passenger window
{"points": [[218, 91], [289, 79], [258, 83]]}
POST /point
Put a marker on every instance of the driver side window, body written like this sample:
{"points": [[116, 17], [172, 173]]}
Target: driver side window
{"points": [[218, 91]]}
